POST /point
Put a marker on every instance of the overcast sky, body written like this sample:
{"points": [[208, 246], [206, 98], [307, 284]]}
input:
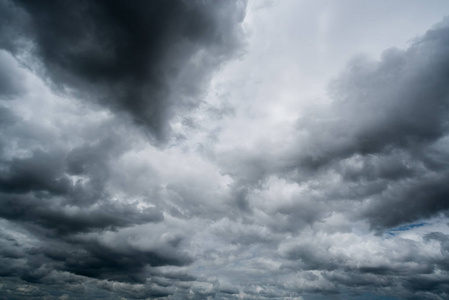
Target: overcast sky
{"points": [[224, 149]]}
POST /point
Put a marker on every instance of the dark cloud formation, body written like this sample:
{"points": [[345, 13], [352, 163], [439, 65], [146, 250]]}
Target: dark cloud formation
{"points": [[147, 59], [38, 189], [376, 153], [384, 134], [394, 109], [353, 204], [10, 79], [40, 194]]}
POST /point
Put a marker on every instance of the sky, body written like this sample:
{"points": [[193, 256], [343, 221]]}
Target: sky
{"points": [[228, 149]]}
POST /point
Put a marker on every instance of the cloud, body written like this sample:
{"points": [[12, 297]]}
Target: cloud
{"points": [[147, 60], [142, 61], [395, 108], [10, 77], [380, 140], [55, 190], [136, 164]]}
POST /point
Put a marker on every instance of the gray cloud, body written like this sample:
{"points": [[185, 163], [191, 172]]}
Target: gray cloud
{"points": [[345, 199], [10, 78], [396, 107], [144, 59], [384, 133]]}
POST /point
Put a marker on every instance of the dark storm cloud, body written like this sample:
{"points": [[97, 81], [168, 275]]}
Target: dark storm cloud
{"points": [[147, 58], [384, 134], [56, 196], [409, 201], [47, 212], [398, 105], [68, 262], [56, 210], [400, 102], [91, 209], [11, 84], [377, 154], [37, 189], [104, 262]]}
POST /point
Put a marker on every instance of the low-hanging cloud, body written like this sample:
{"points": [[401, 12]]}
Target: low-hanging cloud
{"points": [[383, 134], [146, 59], [352, 203]]}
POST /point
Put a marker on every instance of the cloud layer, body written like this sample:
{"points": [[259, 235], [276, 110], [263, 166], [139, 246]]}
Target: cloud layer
{"points": [[142, 157], [137, 58]]}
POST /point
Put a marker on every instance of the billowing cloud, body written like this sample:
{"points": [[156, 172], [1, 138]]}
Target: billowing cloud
{"points": [[148, 60], [210, 150]]}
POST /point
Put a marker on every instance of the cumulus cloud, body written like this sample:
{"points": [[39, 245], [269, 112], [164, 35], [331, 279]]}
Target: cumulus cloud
{"points": [[387, 122], [142, 157], [381, 137], [144, 59]]}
